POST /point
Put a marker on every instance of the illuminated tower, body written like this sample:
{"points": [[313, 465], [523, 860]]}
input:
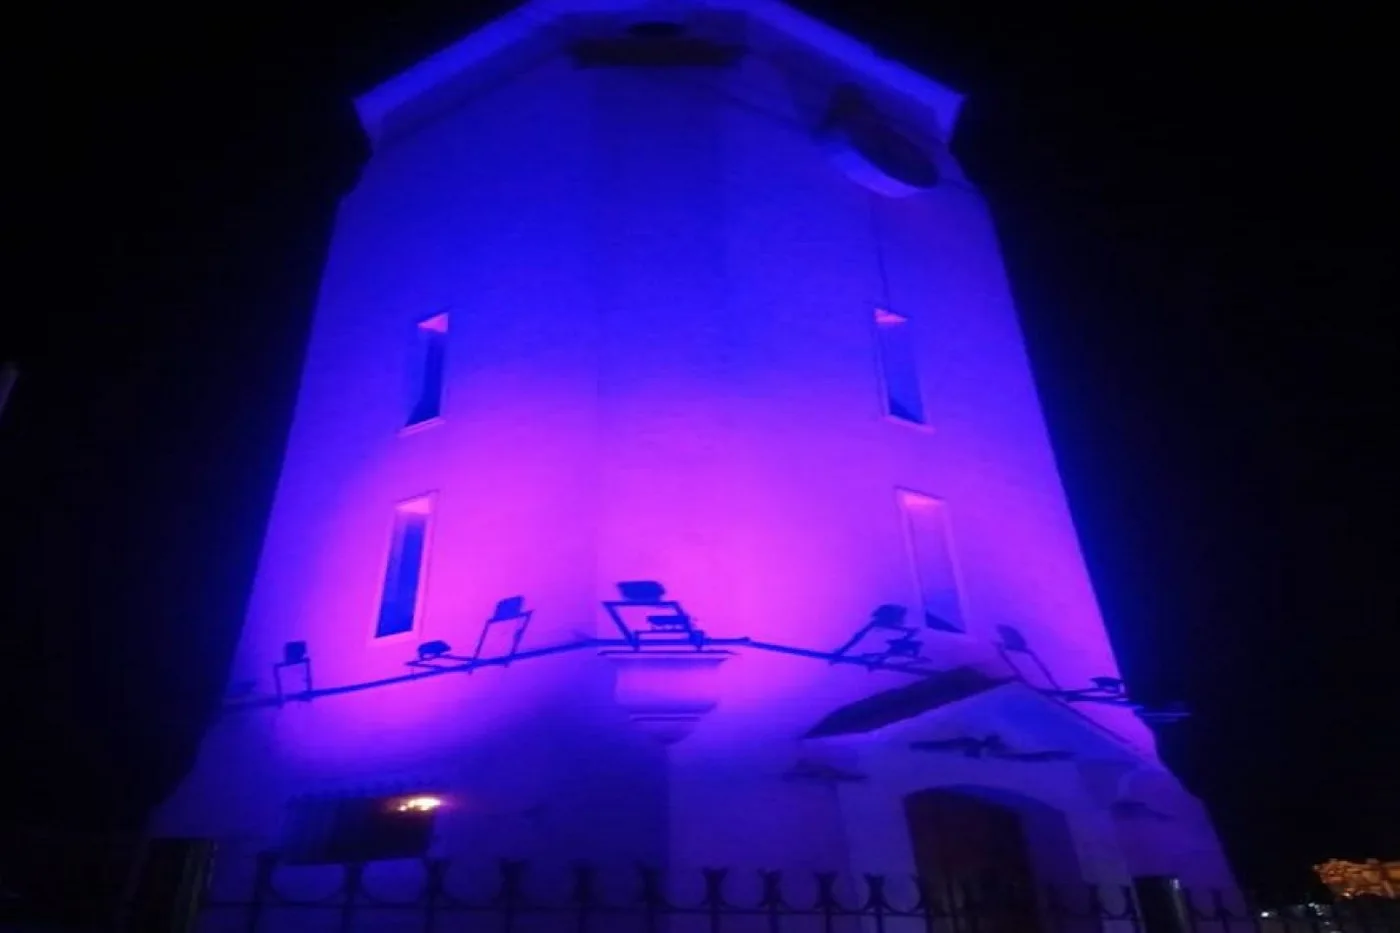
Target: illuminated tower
{"points": [[667, 481]]}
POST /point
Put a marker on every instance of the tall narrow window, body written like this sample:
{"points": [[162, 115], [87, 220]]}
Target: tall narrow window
{"points": [[899, 375], [931, 555], [426, 401], [403, 577]]}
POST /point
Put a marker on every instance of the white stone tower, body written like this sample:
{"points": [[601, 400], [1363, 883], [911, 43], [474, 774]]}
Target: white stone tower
{"points": [[695, 300]]}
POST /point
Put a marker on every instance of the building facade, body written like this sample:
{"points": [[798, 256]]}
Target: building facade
{"points": [[667, 482]]}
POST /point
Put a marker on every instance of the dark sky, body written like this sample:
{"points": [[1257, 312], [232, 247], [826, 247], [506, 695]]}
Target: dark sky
{"points": [[1191, 210]]}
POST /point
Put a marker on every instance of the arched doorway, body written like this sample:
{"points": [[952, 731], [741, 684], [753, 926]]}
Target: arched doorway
{"points": [[990, 855]]}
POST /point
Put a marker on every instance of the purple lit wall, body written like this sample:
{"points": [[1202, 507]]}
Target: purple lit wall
{"points": [[661, 363]]}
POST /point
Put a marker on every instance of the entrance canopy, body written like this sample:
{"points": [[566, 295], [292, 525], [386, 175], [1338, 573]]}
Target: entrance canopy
{"points": [[965, 709]]}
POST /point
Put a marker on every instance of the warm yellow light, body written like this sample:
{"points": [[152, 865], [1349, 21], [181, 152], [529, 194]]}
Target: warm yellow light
{"points": [[1354, 879], [419, 804]]}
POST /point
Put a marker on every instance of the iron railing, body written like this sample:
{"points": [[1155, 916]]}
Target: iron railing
{"points": [[184, 889], [267, 895]]}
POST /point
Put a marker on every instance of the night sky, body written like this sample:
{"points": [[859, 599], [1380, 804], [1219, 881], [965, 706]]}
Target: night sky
{"points": [[1192, 213]]}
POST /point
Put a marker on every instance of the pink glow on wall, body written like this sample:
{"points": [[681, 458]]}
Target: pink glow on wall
{"points": [[692, 410]]}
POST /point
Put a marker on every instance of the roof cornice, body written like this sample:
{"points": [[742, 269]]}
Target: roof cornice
{"points": [[377, 106]]}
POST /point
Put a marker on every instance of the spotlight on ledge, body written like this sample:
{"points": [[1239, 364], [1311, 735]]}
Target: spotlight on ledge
{"points": [[1107, 684], [432, 650]]}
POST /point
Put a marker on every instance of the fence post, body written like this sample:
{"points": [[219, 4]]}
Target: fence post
{"points": [[877, 902], [1130, 909], [512, 891], [436, 869], [653, 897], [354, 877], [826, 899], [1161, 904], [924, 907], [585, 893], [773, 898], [262, 886], [714, 896]]}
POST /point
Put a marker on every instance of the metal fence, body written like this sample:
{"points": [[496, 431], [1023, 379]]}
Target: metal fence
{"points": [[183, 888], [265, 895]]}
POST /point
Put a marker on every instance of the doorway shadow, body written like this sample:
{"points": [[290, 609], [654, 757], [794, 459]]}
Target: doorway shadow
{"points": [[1002, 861]]}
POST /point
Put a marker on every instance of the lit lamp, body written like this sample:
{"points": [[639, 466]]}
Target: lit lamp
{"points": [[424, 803], [666, 680]]}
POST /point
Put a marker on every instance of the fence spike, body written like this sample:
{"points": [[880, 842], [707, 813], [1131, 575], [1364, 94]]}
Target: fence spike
{"points": [[652, 894], [772, 888], [585, 888], [826, 893], [714, 886], [875, 893], [512, 890]]}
